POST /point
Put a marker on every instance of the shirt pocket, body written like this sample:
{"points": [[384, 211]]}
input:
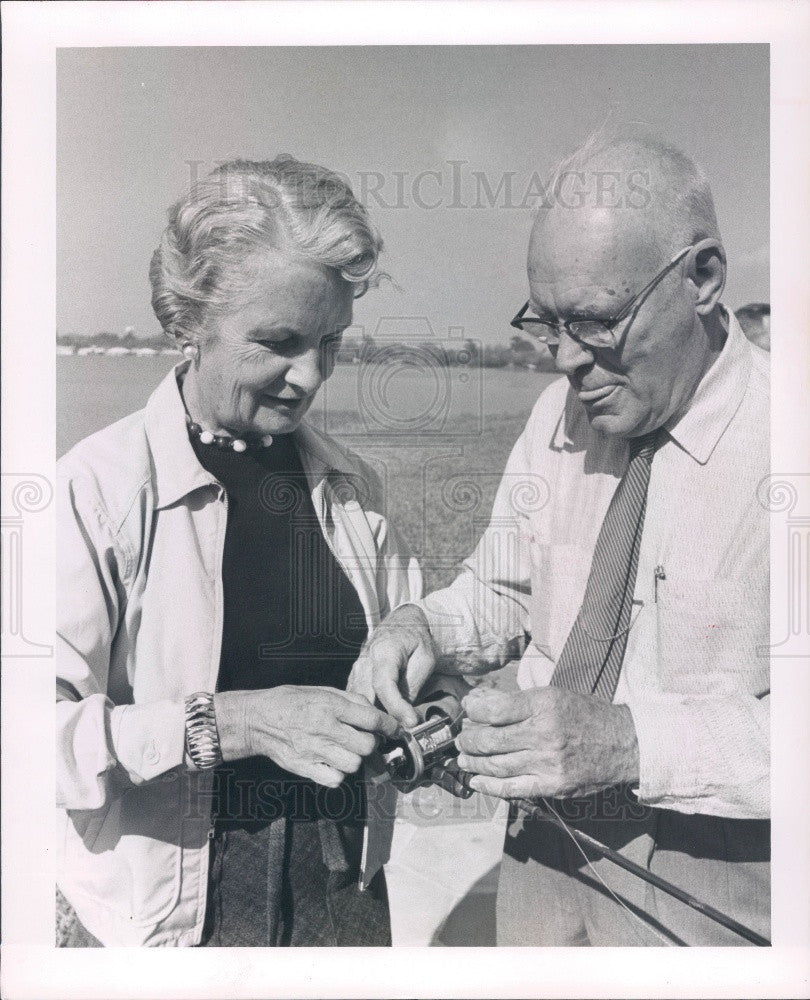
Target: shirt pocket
{"points": [[712, 637]]}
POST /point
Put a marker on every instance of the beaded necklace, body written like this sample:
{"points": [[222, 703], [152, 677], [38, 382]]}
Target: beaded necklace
{"points": [[225, 440]]}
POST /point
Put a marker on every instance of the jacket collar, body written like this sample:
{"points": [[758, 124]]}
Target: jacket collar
{"points": [[324, 455], [177, 471], [715, 401]]}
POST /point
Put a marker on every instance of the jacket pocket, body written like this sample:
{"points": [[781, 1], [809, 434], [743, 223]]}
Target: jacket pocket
{"points": [[129, 862], [85, 825]]}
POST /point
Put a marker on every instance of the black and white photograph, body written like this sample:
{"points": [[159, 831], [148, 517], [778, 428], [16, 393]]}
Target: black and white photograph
{"points": [[423, 539]]}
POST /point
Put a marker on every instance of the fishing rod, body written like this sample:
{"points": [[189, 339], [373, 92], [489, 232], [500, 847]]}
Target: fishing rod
{"points": [[426, 754], [546, 813]]}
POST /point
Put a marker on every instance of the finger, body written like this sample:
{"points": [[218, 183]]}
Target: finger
{"points": [[375, 719], [357, 740], [497, 708], [357, 712], [480, 739], [395, 704], [388, 662], [420, 667], [502, 765], [359, 682], [322, 773], [354, 694], [339, 758], [524, 786]]}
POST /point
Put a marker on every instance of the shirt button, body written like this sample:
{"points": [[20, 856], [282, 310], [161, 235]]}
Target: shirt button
{"points": [[151, 754]]}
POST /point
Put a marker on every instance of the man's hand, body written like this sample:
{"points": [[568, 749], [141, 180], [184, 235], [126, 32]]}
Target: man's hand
{"points": [[546, 742], [398, 659]]}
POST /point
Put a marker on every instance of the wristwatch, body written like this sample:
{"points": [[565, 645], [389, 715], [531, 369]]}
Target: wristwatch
{"points": [[202, 738]]}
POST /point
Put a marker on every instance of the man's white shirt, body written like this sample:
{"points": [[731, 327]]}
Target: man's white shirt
{"points": [[696, 670]]}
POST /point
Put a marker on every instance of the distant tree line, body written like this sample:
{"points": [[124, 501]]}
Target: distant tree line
{"points": [[519, 352], [105, 339]]}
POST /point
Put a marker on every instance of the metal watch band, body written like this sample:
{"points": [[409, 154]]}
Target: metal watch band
{"points": [[202, 738]]}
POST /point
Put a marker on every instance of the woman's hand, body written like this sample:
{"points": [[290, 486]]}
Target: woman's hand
{"points": [[316, 732]]}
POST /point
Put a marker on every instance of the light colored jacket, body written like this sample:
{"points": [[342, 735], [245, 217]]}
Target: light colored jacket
{"points": [[140, 612]]}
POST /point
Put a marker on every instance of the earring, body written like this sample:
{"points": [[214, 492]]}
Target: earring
{"points": [[190, 351]]}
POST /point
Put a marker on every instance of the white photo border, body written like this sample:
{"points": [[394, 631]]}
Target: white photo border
{"points": [[32, 966]]}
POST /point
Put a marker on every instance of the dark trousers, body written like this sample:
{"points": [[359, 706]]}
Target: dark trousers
{"points": [[293, 883]]}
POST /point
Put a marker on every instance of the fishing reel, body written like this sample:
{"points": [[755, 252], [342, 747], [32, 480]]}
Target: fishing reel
{"points": [[426, 754]]}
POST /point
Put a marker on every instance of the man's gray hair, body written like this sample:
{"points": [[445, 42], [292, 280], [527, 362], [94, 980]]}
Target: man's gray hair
{"points": [[680, 208], [244, 207]]}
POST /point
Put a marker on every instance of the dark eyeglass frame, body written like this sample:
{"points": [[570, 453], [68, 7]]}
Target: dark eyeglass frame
{"points": [[604, 336]]}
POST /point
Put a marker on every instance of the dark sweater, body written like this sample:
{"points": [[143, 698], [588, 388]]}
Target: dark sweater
{"points": [[291, 616]]}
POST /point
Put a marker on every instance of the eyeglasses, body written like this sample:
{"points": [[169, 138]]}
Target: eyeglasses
{"points": [[596, 333]]}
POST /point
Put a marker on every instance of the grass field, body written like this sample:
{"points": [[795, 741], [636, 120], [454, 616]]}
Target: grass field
{"points": [[440, 492]]}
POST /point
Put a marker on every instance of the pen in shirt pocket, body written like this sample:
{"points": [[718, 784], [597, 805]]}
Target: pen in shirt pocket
{"points": [[658, 574]]}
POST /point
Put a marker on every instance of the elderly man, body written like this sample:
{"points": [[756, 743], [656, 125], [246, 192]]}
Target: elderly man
{"points": [[628, 545]]}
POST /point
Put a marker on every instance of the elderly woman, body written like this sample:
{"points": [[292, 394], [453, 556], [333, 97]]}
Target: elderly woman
{"points": [[220, 566]]}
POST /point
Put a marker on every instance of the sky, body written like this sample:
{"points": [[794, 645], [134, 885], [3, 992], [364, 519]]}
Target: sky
{"points": [[440, 143]]}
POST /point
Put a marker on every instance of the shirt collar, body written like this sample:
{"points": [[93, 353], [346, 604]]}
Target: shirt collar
{"points": [[176, 468], [714, 403], [717, 397]]}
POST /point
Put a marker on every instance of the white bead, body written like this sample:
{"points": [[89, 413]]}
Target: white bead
{"points": [[239, 445], [267, 440], [206, 437]]}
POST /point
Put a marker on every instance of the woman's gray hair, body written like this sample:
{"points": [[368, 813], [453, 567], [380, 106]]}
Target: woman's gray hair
{"points": [[243, 207]]}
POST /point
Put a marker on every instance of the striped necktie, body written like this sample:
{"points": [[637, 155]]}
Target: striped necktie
{"points": [[592, 656]]}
